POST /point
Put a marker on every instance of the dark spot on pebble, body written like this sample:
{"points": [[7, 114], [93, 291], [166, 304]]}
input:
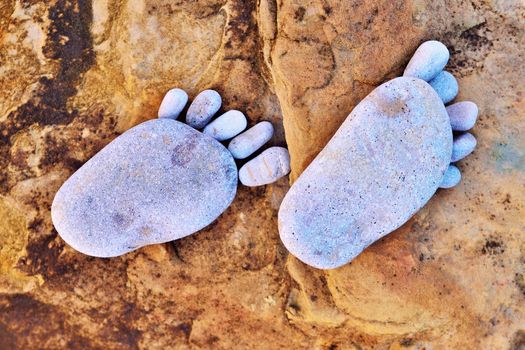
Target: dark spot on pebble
{"points": [[119, 219], [182, 153]]}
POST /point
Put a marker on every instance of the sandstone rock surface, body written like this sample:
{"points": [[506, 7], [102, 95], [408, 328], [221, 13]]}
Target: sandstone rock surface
{"points": [[74, 76]]}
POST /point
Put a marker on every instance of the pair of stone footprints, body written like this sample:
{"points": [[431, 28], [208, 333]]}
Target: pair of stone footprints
{"points": [[163, 180]]}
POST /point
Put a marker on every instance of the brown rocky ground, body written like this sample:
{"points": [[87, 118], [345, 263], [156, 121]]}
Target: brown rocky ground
{"points": [[73, 75]]}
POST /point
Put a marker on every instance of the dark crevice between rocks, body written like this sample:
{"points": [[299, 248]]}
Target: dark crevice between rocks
{"points": [[70, 43]]}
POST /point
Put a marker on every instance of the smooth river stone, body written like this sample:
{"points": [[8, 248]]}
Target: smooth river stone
{"points": [[173, 103], [226, 126], [462, 115], [203, 108], [266, 168], [157, 182], [383, 164], [462, 146], [251, 140], [429, 59], [451, 178], [446, 86]]}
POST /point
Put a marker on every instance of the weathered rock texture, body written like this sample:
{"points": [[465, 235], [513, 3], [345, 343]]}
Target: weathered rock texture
{"points": [[75, 75]]}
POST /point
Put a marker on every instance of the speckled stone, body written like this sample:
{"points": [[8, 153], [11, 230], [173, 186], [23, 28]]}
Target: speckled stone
{"points": [[203, 108], [429, 59], [451, 178], [173, 103], [251, 140], [462, 115], [383, 164], [267, 167], [445, 85], [157, 182], [226, 126], [462, 146]]}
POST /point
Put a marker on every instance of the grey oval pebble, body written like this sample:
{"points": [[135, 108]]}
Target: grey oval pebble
{"points": [[173, 103], [251, 140], [451, 178], [462, 115], [159, 181], [463, 146], [383, 164], [446, 86], [429, 59], [226, 126], [267, 167], [203, 108]]}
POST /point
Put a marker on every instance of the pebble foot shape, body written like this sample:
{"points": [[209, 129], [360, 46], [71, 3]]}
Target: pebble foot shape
{"points": [[157, 182], [383, 164]]}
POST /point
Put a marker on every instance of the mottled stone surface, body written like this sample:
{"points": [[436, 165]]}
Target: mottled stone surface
{"points": [[159, 181], [203, 108], [268, 167], [451, 278], [382, 165]]}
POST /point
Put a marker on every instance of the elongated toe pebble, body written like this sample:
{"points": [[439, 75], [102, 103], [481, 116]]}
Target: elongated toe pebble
{"points": [[267, 167], [429, 59], [251, 140], [462, 115], [226, 126], [173, 103], [446, 86], [203, 108], [383, 164], [462, 146], [451, 178], [157, 182]]}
